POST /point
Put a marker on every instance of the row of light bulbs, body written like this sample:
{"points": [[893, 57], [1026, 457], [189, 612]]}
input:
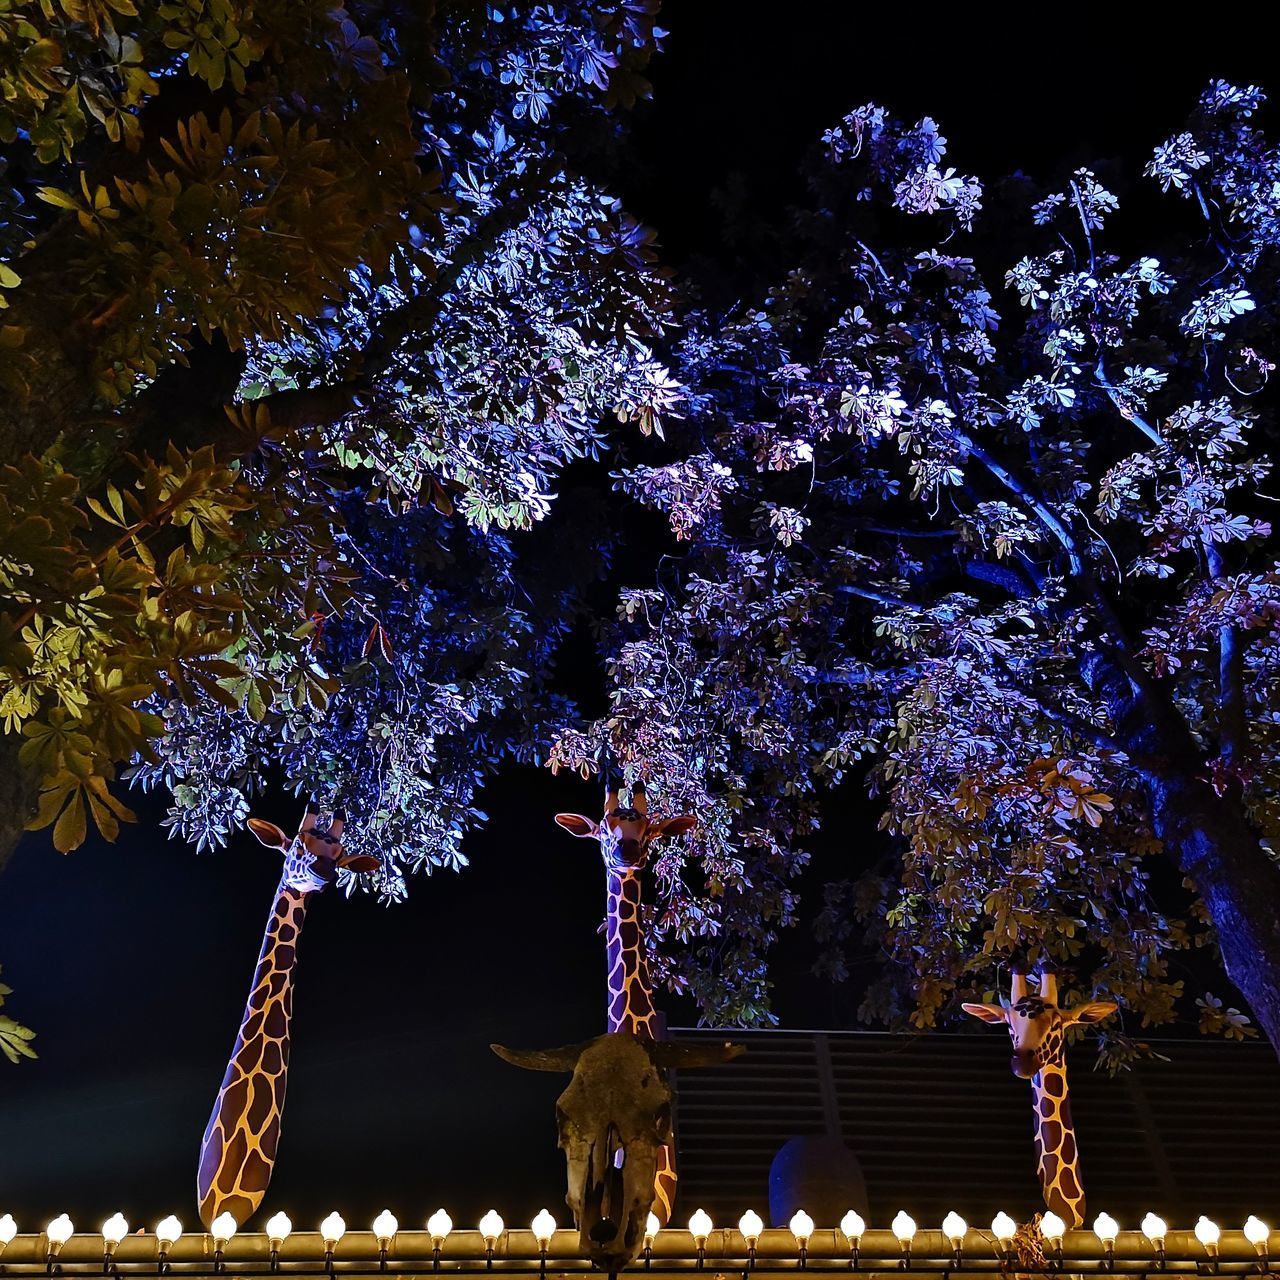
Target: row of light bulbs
{"points": [[955, 1228], [751, 1225], [278, 1229]]}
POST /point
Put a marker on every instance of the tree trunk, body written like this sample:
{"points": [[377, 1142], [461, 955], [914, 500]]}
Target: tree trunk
{"points": [[1206, 834], [1216, 848]]}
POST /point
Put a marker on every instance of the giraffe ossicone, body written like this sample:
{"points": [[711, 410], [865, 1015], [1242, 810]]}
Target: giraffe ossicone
{"points": [[238, 1150], [614, 1118], [1037, 1027]]}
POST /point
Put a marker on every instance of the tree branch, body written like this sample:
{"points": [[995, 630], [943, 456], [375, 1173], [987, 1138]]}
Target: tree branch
{"points": [[1233, 732], [1052, 709], [998, 576], [1127, 414], [879, 597]]}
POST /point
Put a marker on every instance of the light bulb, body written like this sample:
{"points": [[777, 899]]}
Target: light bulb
{"points": [[114, 1230], [801, 1227], [9, 1228], [278, 1228], [1106, 1228], [1052, 1227], [904, 1227], [751, 1225], [651, 1228], [1208, 1233], [60, 1230], [700, 1226], [1003, 1227], [222, 1228], [1256, 1232], [439, 1224], [168, 1232], [491, 1226], [853, 1226], [333, 1228], [1154, 1228], [385, 1227], [543, 1228], [954, 1228]]}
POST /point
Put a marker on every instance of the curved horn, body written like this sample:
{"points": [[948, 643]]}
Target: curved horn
{"points": [[565, 1058], [665, 1053]]}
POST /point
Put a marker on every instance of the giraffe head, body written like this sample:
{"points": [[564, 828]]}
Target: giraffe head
{"points": [[625, 834], [1037, 1026], [313, 856], [614, 1119]]}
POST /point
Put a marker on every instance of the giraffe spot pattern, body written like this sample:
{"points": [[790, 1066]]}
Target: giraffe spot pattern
{"points": [[631, 1007], [239, 1147], [1057, 1155]]}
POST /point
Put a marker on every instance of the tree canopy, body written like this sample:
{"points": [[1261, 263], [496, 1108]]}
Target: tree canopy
{"points": [[306, 309], [976, 505]]}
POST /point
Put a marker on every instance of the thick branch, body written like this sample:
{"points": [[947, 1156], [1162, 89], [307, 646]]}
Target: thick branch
{"points": [[999, 576], [1233, 731]]}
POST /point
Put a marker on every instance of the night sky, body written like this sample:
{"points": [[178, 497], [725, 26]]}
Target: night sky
{"points": [[132, 962]]}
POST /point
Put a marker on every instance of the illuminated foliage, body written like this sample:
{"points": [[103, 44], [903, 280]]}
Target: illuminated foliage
{"points": [[976, 498], [306, 310], [15, 1039]]}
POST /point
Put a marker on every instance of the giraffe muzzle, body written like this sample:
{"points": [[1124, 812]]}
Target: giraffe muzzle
{"points": [[1024, 1063]]}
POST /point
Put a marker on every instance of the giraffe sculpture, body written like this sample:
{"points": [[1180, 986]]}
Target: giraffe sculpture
{"points": [[614, 1118], [238, 1150], [625, 836], [1037, 1027]]}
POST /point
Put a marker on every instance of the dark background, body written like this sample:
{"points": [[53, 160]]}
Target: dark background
{"points": [[133, 961]]}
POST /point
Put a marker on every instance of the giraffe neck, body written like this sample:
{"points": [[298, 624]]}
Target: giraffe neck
{"points": [[1057, 1155], [630, 996], [631, 1002], [239, 1146]]}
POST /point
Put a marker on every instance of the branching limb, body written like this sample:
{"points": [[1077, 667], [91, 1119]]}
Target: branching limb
{"points": [[1127, 414]]}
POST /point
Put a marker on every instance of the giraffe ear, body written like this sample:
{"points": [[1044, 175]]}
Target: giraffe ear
{"points": [[360, 862], [987, 1012], [1092, 1012], [268, 833], [576, 825], [675, 826]]}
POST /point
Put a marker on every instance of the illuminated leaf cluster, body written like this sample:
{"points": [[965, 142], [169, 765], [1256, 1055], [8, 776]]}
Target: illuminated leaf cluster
{"points": [[980, 515], [290, 356]]}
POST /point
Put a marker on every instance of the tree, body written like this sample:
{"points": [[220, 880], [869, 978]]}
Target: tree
{"points": [[977, 497], [305, 310]]}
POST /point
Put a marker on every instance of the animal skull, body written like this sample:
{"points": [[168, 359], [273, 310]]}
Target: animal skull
{"points": [[614, 1118]]}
